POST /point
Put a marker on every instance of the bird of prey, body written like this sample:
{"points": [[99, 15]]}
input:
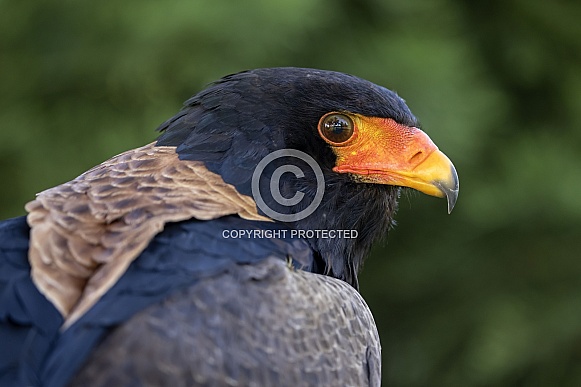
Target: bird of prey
{"points": [[226, 253]]}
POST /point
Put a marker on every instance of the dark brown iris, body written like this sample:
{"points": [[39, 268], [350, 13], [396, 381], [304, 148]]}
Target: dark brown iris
{"points": [[336, 128]]}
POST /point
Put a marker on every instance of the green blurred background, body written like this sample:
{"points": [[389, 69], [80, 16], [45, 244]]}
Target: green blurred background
{"points": [[489, 296]]}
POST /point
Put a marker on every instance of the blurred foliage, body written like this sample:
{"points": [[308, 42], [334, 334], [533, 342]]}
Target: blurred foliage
{"points": [[489, 296]]}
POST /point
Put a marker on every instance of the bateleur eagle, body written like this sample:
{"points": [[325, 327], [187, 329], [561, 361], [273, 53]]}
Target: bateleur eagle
{"points": [[200, 259]]}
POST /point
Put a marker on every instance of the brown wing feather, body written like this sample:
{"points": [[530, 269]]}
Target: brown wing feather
{"points": [[86, 232]]}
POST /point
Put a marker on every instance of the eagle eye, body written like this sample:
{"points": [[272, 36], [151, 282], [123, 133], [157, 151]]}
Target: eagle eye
{"points": [[336, 128]]}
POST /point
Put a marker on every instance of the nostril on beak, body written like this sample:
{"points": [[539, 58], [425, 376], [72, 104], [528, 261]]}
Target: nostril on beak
{"points": [[416, 158]]}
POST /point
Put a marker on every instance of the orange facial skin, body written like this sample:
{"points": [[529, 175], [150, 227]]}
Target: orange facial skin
{"points": [[383, 151]]}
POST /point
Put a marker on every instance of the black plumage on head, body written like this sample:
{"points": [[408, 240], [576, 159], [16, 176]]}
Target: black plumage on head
{"points": [[240, 119]]}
